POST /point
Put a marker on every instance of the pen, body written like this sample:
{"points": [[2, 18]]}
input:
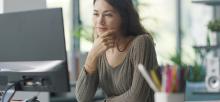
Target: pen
{"points": [[147, 77], [155, 79]]}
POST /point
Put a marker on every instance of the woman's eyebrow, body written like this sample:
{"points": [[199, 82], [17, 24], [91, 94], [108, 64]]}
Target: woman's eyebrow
{"points": [[95, 10], [104, 11]]}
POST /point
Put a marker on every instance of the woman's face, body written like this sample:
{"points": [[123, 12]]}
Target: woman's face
{"points": [[105, 17]]}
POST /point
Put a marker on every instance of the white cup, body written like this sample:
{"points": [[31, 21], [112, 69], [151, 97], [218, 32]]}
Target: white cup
{"points": [[168, 97]]}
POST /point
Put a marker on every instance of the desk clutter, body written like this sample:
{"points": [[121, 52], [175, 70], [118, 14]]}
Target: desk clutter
{"points": [[207, 89], [168, 82], [186, 82], [171, 78]]}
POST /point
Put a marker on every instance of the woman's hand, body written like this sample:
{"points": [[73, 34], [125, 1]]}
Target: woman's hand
{"points": [[101, 44]]}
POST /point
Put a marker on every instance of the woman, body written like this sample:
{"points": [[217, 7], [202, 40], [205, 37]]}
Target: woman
{"points": [[120, 45]]}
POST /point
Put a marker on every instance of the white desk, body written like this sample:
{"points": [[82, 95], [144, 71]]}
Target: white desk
{"points": [[42, 96]]}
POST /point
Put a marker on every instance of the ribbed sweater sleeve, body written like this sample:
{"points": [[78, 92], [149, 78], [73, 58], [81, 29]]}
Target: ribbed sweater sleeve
{"points": [[86, 86]]}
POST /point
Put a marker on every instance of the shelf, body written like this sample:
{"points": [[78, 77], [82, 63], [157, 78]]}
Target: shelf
{"points": [[206, 47], [207, 2]]}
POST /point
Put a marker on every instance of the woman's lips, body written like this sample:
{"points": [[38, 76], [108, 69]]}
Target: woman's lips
{"points": [[101, 29]]}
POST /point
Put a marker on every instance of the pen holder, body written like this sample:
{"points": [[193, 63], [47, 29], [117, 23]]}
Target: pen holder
{"points": [[168, 97]]}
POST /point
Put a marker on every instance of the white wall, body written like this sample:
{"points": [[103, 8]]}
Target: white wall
{"points": [[1, 6], [22, 5]]}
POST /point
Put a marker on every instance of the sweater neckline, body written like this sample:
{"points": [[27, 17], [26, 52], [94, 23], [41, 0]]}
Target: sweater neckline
{"points": [[124, 60]]}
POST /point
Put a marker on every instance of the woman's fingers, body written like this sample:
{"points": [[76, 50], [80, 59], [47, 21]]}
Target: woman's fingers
{"points": [[107, 33], [109, 44], [105, 41], [108, 40]]}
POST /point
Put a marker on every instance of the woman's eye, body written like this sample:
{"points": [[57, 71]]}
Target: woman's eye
{"points": [[109, 15], [95, 14]]}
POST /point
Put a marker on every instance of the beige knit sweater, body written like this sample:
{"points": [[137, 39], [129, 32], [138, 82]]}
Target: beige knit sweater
{"points": [[124, 83]]}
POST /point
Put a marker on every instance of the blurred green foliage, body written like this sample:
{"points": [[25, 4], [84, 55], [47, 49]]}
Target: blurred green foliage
{"points": [[214, 25]]}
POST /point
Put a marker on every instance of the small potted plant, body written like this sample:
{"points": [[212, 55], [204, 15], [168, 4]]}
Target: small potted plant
{"points": [[214, 25]]}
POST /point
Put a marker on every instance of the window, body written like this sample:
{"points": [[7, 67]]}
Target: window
{"points": [[66, 6], [195, 18], [159, 17]]}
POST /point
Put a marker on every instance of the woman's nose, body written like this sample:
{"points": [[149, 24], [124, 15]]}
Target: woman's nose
{"points": [[101, 20]]}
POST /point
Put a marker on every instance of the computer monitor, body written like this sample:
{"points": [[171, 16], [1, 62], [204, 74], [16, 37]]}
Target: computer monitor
{"points": [[32, 49]]}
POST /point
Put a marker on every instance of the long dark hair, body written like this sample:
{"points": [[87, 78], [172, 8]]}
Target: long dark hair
{"points": [[131, 25]]}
